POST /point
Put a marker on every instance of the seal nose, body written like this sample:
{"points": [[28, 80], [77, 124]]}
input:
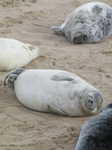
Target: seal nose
{"points": [[91, 102], [80, 38]]}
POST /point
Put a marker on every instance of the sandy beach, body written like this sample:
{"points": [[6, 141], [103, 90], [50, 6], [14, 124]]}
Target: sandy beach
{"points": [[29, 21]]}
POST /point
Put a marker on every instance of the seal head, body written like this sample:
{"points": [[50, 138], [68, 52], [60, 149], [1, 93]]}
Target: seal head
{"points": [[91, 102]]}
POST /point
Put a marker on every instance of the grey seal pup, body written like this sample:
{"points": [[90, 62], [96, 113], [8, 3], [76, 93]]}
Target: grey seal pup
{"points": [[14, 54], [55, 91], [89, 23], [96, 134]]}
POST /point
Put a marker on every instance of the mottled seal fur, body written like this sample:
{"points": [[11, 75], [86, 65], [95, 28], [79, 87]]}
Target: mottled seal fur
{"points": [[89, 23], [14, 54], [96, 134], [56, 91]]}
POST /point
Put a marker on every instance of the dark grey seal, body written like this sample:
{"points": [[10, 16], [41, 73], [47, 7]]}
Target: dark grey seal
{"points": [[89, 23], [96, 134]]}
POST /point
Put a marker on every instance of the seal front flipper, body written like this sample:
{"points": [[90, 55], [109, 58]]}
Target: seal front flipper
{"points": [[62, 77], [56, 110]]}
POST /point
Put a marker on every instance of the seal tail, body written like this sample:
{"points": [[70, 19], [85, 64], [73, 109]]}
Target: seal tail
{"points": [[56, 30], [11, 77]]}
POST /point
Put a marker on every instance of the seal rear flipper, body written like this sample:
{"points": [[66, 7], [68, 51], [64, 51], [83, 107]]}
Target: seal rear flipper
{"points": [[56, 30], [9, 81], [11, 77], [56, 110]]}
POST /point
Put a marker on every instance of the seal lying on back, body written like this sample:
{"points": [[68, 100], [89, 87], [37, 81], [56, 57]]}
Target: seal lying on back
{"points": [[96, 134], [54, 91], [89, 23], [14, 54]]}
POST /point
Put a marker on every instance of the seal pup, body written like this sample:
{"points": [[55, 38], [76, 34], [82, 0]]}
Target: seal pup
{"points": [[96, 134], [89, 23], [14, 54], [55, 91]]}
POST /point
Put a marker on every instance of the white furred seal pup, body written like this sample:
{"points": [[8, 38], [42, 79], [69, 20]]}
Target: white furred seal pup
{"points": [[89, 23], [96, 134], [54, 91], [14, 54]]}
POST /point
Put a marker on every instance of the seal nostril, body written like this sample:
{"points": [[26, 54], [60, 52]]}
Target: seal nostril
{"points": [[92, 102], [80, 39]]}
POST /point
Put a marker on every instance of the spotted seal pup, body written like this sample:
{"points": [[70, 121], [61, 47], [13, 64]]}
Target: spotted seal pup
{"points": [[89, 23], [14, 54], [96, 134], [55, 91]]}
